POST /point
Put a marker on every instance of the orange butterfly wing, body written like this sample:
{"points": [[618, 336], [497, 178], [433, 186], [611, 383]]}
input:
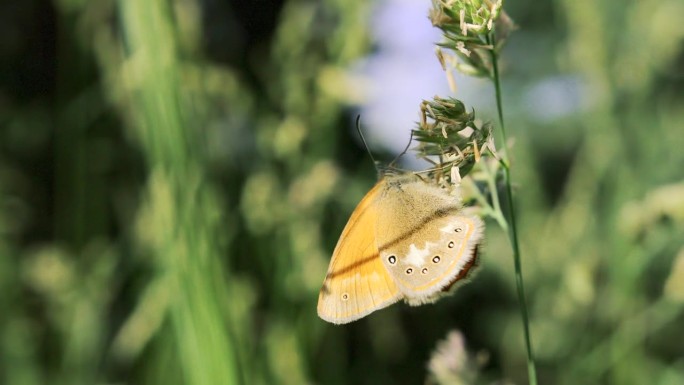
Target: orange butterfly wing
{"points": [[357, 282]]}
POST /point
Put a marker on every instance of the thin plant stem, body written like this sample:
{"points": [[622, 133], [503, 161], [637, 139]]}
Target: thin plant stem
{"points": [[496, 205], [512, 228]]}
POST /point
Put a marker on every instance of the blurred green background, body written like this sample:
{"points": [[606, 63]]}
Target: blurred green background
{"points": [[174, 176]]}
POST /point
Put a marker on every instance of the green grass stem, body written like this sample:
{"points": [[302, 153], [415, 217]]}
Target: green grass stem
{"points": [[512, 228]]}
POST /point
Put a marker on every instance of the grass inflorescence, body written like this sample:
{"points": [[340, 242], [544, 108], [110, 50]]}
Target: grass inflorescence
{"points": [[474, 31]]}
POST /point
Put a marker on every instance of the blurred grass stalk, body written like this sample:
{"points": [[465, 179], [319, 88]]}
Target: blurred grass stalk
{"points": [[179, 198], [621, 77]]}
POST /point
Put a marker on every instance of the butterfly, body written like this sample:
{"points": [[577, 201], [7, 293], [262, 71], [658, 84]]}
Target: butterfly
{"points": [[407, 239]]}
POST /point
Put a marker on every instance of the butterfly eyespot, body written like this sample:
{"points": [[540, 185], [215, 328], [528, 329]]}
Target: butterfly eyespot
{"points": [[392, 259], [435, 259], [451, 244], [424, 271], [409, 271], [458, 230], [345, 297]]}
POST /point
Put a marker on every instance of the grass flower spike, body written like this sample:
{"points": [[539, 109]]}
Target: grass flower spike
{"points": [[474, 32], [449, 131], [466, 25]]}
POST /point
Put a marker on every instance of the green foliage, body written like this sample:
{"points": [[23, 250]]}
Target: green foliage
{"points": [[167, 212]]}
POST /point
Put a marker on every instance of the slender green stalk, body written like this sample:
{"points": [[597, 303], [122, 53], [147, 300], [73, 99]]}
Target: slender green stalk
{"points": [[513, 228], [495, 209]]}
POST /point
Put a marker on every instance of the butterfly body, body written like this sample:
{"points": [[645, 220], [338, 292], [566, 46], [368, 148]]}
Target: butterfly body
{"points": [[407, 239]]}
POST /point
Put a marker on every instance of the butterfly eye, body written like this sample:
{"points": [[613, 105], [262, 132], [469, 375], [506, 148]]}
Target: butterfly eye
{"points": [[392, 259], [435, 259], [345, 297], [451, 244], [424, 271], [458, 230], [409, 270]]}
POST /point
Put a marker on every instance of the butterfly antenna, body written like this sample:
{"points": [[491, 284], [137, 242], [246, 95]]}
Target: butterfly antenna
{"points": [[365, 144], [403, 152]]}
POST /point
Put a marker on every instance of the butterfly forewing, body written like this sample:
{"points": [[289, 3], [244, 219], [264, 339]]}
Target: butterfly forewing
{"points": [[357, 282]]}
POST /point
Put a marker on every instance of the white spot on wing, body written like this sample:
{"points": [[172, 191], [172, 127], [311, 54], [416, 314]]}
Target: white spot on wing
{"points": [[447, 229], [416, 256]]}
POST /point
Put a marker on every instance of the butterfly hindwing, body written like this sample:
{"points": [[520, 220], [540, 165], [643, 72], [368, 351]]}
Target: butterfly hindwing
{"points": [[423, 270], [434, 244]]}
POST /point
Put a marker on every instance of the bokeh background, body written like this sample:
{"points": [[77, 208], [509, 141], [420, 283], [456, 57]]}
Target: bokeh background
{"points": [[174, 175]]}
